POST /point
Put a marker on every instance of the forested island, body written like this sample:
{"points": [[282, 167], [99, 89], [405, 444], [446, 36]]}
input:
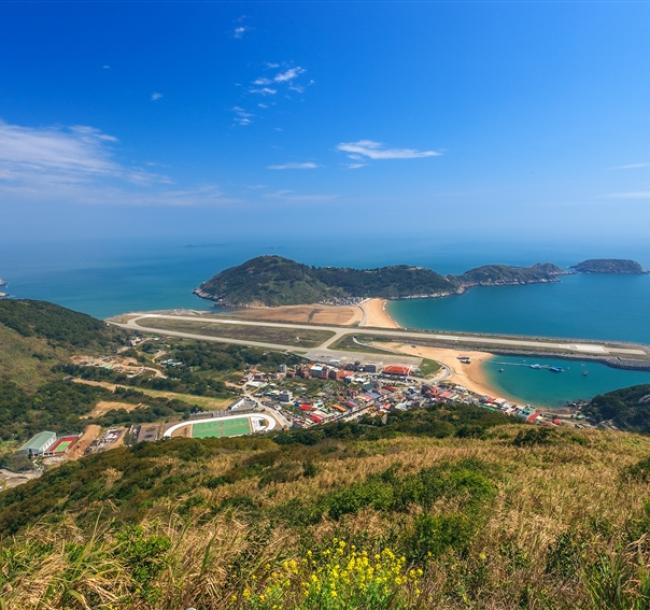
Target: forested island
{"points": [[275, 280], [609, 265]]}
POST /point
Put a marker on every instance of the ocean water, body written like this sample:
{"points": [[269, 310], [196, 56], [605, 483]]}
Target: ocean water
{"points": [[614, 307], [108, 277], [541, 387]]}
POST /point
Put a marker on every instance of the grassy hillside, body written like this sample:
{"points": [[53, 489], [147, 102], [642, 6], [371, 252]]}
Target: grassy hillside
{"points": [[55, 324], [448, 508], [35, 336], [26, 359]]}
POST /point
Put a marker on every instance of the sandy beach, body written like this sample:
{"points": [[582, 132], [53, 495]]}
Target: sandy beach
{"points": [[375, 314], [472, 376]]}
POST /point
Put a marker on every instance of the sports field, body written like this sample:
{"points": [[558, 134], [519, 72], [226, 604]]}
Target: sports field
{"points": [[62, 447], [63, 444], [222, 427]]}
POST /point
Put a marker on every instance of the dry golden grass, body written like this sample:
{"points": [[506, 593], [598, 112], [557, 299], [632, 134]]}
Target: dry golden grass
{"points": [[542, 492]]}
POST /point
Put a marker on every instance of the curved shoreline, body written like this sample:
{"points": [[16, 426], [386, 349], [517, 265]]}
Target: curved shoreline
{"points": [[473, 376]]}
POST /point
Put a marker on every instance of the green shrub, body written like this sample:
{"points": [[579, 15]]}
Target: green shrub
{"points": [[433, 535], [145, 556], [534, 436]]}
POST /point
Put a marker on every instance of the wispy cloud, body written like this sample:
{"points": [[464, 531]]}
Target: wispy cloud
{"points": [[356, 165], [240, 28], [639, 165], [106, 67], [288, 75], [629, 195], [77, 164], [156, 95], [264, 90], [239, 31], [243, 118], [294, 165], [376, 151], [290, 196], [284, 79]]}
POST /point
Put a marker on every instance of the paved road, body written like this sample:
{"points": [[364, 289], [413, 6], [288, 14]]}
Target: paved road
{"points": [[479, 341]]}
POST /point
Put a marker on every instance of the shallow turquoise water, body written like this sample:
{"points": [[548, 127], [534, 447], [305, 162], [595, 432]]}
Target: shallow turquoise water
{"points": [[582, 306], [613, 307], [544, 388]]}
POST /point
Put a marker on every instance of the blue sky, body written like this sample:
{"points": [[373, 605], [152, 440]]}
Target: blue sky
{"points": [[502, 119]]}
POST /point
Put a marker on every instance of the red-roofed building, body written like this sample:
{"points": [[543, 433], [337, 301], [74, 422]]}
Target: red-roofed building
{"points": [[306, 407], [397, 370], [317, 419]]}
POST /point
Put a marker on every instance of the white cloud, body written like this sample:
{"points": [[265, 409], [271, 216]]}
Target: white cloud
{"points": [[75, 151], [106, 67], [288, 75], [156, 95], [287, 79], [264, 91], [641, 165], [629, 195], [294, 165], [240, 31], [356, 165], [77, 164], [243, 118], [376, 151]]}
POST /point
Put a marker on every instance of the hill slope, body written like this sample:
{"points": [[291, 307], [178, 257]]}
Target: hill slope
{"points": [[485, 515], [627, 408], [274, 280], [36, 335], [495, 275]]}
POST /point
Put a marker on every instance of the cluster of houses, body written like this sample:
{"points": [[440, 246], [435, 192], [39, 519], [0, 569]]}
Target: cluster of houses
{"points": [[366, 389]]}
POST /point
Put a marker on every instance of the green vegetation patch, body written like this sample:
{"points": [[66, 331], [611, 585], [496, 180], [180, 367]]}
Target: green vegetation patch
{"points": [[60, 326], [628, 408]]}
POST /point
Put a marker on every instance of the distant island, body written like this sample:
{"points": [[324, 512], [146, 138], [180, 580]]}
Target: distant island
{"points": [[609, 265], [275, 280]]}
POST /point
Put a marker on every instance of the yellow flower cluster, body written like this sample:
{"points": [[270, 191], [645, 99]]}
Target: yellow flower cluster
{"points": [[340, 577]]}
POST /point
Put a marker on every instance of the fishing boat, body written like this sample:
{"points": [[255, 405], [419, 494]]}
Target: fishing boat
{"points": [[555, 369]]}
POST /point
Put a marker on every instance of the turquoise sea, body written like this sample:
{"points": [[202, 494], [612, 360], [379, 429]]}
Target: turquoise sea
{"points": [[107, 277], [578, 379]]}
